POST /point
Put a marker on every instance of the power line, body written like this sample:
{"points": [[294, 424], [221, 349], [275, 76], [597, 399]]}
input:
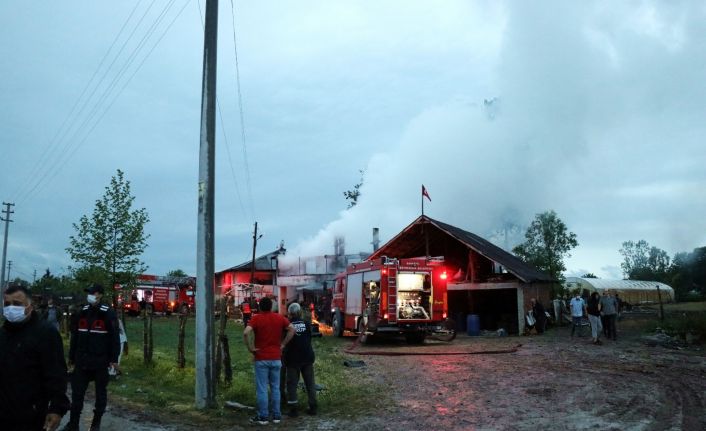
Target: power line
{"points": [[38, 166], [242, 117], [227, 143], [45, 164], [94, 117]]}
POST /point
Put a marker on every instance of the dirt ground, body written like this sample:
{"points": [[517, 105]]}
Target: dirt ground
{"points": [[551, 382]]}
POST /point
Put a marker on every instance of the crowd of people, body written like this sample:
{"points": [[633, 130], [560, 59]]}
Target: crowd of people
{"points": [[35, 373], [602, 312]]}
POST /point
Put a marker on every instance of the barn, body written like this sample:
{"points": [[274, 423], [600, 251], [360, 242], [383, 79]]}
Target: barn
{"points": [[487, 281]]}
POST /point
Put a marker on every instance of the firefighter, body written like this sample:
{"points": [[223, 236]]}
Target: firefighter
{"points": [[94, 347], [247, 311]]}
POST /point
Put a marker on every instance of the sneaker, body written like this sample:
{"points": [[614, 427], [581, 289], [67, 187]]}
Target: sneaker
{"points": [[276, 420], [258, 420]]}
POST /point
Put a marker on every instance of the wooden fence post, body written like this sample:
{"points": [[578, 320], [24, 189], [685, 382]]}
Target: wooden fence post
{"points": [[181, 358]]}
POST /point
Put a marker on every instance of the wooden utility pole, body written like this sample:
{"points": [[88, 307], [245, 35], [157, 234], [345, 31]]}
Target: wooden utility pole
{"points": [[205, 392], [254, 246], [7, 211]]}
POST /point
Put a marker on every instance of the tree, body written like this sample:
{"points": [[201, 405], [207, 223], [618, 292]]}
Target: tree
{"points": [[107, 246], [642, 262], [589, 275], [176, 273], [353, 195], [547, 243]]}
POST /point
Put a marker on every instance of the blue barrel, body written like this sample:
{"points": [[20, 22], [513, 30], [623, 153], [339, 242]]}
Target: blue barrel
{"points": [[473, 324]]}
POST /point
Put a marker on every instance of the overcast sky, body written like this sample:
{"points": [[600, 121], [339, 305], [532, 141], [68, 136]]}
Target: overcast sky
{"points": [[502, 109]]}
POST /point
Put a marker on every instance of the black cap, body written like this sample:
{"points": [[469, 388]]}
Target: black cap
{"points": [[95, 288]]}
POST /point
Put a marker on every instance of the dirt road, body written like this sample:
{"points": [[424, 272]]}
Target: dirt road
{"points": [[551, 382]]}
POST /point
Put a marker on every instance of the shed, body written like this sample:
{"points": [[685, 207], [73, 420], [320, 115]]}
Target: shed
{"points": [[631, 291], [487, 280]]}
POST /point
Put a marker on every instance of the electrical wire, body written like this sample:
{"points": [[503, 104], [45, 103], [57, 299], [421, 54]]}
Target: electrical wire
{"points": [[44, 157], [227, 143], [240, 107], [94, 116]]}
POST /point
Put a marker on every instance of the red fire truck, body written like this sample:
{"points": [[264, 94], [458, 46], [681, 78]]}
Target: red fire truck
{"points": [[160, 295], [395, 296]]}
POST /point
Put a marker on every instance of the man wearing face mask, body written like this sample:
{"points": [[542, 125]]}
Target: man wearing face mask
{"points": [[95, 346], [32, 367]]}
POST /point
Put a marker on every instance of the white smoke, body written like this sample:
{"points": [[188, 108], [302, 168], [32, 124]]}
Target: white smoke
{"points": [[599, 116]]}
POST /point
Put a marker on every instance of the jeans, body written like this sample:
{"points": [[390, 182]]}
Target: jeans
{"points": [[596, 326], [267, 376], [576, 321], [307, 373]]}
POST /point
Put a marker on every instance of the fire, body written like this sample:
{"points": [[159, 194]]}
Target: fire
{"points": [[323, 328]]}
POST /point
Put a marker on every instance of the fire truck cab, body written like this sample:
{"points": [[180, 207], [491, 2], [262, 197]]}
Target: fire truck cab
{"points": [[394, 296]]}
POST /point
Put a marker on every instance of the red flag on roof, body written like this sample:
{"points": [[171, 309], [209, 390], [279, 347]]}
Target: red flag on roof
{"points": [[425, 193]]}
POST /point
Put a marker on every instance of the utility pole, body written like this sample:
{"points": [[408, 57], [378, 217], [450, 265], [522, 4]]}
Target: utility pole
{"points": [[205, 392], [7, 211], [255, 237], [34, 276], [9, 269]]}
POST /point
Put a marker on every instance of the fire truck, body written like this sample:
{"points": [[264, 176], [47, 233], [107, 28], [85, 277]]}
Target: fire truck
{"points": [[160, 295], [393, 296]]}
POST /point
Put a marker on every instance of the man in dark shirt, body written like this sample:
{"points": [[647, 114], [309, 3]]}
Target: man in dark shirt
{"points": [[32, 368], [95, 346], [299, 358]]}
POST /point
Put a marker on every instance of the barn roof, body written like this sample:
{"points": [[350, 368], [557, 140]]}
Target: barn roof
{"points": [[407, 244], [262, 263]]}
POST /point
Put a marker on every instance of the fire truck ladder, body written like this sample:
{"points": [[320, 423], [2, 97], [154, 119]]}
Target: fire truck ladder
{"points": [[392, 295]]}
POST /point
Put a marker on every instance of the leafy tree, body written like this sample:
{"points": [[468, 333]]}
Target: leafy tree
{"points": [[589, 275], [687, 274], [547, 243], [353, 195], [177, 273], [642, 262], [107, 246]]}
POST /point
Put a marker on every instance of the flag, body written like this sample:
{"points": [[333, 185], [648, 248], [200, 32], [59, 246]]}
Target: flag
{"points": [[425, 193]]}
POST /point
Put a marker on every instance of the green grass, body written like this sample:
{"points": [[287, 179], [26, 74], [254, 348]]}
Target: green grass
{"points": [[684, 306], [163, 388]]}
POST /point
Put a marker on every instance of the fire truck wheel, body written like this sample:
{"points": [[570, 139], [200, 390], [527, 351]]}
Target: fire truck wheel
{"points": [[337, 324]]}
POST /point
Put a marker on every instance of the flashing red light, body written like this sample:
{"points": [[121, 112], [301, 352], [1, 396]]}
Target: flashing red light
{"points": [[443, 275], [443, 316], [384, 271], [385, 316]]}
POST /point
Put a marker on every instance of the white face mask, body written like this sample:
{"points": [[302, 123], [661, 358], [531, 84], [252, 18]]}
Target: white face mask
{"points": [[91, 299], [14, 313]]}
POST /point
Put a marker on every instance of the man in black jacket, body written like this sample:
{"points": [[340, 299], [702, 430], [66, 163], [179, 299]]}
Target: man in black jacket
{"points": [[32, 368], [299, 358], [95, 346]]}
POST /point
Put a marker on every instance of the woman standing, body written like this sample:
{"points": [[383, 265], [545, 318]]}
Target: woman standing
{"points": [[594, 316]]}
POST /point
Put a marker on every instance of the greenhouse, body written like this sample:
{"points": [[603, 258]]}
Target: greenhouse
{"points": [[631, 291]]}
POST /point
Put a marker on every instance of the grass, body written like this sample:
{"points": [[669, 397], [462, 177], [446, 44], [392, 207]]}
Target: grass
{"points": [[682, 318], [684, 306], [163, 388]]}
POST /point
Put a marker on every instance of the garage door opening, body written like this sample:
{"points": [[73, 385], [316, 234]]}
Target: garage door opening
{"points": [[496, 308]]}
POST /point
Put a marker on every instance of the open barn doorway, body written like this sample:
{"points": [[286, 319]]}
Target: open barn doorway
{"points": [[496, 308]]}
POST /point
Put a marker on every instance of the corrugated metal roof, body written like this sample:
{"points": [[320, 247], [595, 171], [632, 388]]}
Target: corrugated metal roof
{"points": [[512, 263], [605, 284], [262, 263]]}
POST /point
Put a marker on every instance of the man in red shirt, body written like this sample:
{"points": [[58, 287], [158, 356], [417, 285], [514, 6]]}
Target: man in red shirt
{"points": [[267, 328]]}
